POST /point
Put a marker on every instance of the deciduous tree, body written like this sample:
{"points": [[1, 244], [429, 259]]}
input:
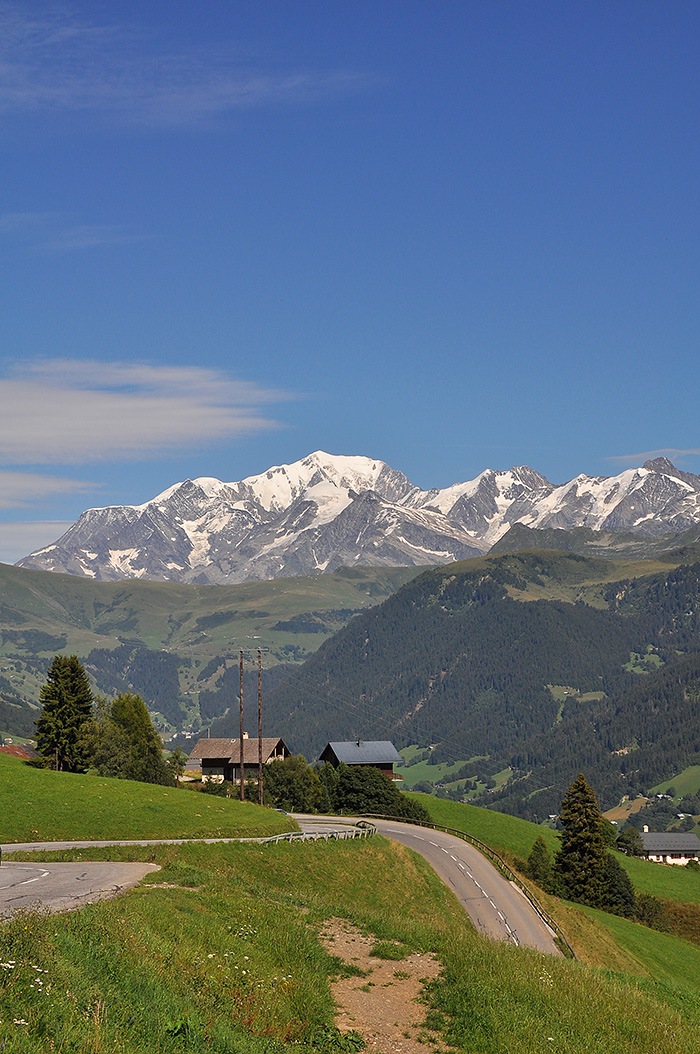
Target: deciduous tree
{"points": [[128, 745], [293, 785]]}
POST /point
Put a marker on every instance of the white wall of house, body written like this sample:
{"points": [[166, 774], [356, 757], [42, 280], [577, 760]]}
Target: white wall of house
{"points": [[215, 774], [671, 858]]}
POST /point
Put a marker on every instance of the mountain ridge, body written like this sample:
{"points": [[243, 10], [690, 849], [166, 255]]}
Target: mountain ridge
{"points": [[327, 511]]}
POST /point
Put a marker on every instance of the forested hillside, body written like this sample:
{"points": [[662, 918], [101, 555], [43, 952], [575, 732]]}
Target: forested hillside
{"points": [[533, 662], [175, 645]]}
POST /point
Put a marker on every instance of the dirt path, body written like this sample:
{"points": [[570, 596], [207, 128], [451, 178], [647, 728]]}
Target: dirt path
{"points": [[383, 1004]]}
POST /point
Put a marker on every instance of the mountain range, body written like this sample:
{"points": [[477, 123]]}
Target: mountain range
{"points": [[328, 511]]}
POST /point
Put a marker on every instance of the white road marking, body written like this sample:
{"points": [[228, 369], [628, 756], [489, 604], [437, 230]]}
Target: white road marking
{"points": [[28, 880]]}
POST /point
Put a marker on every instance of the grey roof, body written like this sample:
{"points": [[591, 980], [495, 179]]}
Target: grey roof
{"points": [[365, 752], [229, 750], [671, 842]]}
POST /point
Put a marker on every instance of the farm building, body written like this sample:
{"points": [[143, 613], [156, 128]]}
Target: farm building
{"points": [[671, 847], [221, 758], [377, 754]]}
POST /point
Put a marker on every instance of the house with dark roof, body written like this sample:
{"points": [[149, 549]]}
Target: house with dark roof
{"points": [[670, 847], [220, 759], [377, 754]]}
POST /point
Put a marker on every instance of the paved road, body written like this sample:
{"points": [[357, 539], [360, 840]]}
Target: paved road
{"points": [[63, 886], [495, 905], [59, 886]]}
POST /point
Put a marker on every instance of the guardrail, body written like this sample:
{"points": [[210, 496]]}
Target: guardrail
{"points": [[364, 831], [505, 869]]}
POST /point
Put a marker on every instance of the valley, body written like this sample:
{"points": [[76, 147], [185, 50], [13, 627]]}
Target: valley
{"points": [[500, 676]]}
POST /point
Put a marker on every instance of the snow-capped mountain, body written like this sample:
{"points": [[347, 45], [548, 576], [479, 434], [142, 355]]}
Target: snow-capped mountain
{"points": [[327, 511]]}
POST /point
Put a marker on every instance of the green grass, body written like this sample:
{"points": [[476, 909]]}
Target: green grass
{"points": [[390, 950], [670, 960], [646, 663], [508, 835], [663, 880], [234, 963], [686, 782], [40, 805], [413, 774]]}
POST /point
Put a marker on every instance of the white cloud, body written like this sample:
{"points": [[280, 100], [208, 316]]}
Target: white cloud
{"points": [[20, 539], [55, 61], [19, 489], [672, 453], [70, 411]]}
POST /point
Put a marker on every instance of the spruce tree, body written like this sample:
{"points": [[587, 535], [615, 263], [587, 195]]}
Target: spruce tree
{"points": [[67, 704], [539, 864], [620, 897], [581, 863]]}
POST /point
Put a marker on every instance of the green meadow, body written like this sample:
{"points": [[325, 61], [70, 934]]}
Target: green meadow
{"points": [[219, 951], [686, 782], [40, 805], [508, 835]]}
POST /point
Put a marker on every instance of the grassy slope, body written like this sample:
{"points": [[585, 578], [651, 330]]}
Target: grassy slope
{"points": [[506, 834], [219, 952], [598, 938], [39, 805], [686, 782], [94, 614]]}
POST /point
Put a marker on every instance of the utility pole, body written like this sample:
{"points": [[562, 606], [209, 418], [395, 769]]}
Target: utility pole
{"points": [[242, 764], [260, 748]]}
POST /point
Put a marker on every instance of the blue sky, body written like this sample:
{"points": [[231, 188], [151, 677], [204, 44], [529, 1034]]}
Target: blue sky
{"points": [[450, 235]]}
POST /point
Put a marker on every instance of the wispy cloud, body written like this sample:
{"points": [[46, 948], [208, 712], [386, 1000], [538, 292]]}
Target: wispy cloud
{"points": [[18, 539], [19, 489], [60, 411], [53, 232], [56, 61], [672, 453]]}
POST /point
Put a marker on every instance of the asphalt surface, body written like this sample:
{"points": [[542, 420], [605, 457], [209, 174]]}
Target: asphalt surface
{"points": [[60, 887], [496, 906]]}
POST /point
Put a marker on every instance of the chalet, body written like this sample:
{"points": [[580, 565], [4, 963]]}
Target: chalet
{"points": [[376, 754], [221, 758], [671, 847]]}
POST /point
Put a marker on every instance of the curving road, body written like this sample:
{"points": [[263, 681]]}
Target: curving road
{"points": [[60, 887], [496, 906]]}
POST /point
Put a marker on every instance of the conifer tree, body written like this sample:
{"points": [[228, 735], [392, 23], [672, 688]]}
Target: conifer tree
{"points": [[539, 864], [581, 863], [67, 704]]}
